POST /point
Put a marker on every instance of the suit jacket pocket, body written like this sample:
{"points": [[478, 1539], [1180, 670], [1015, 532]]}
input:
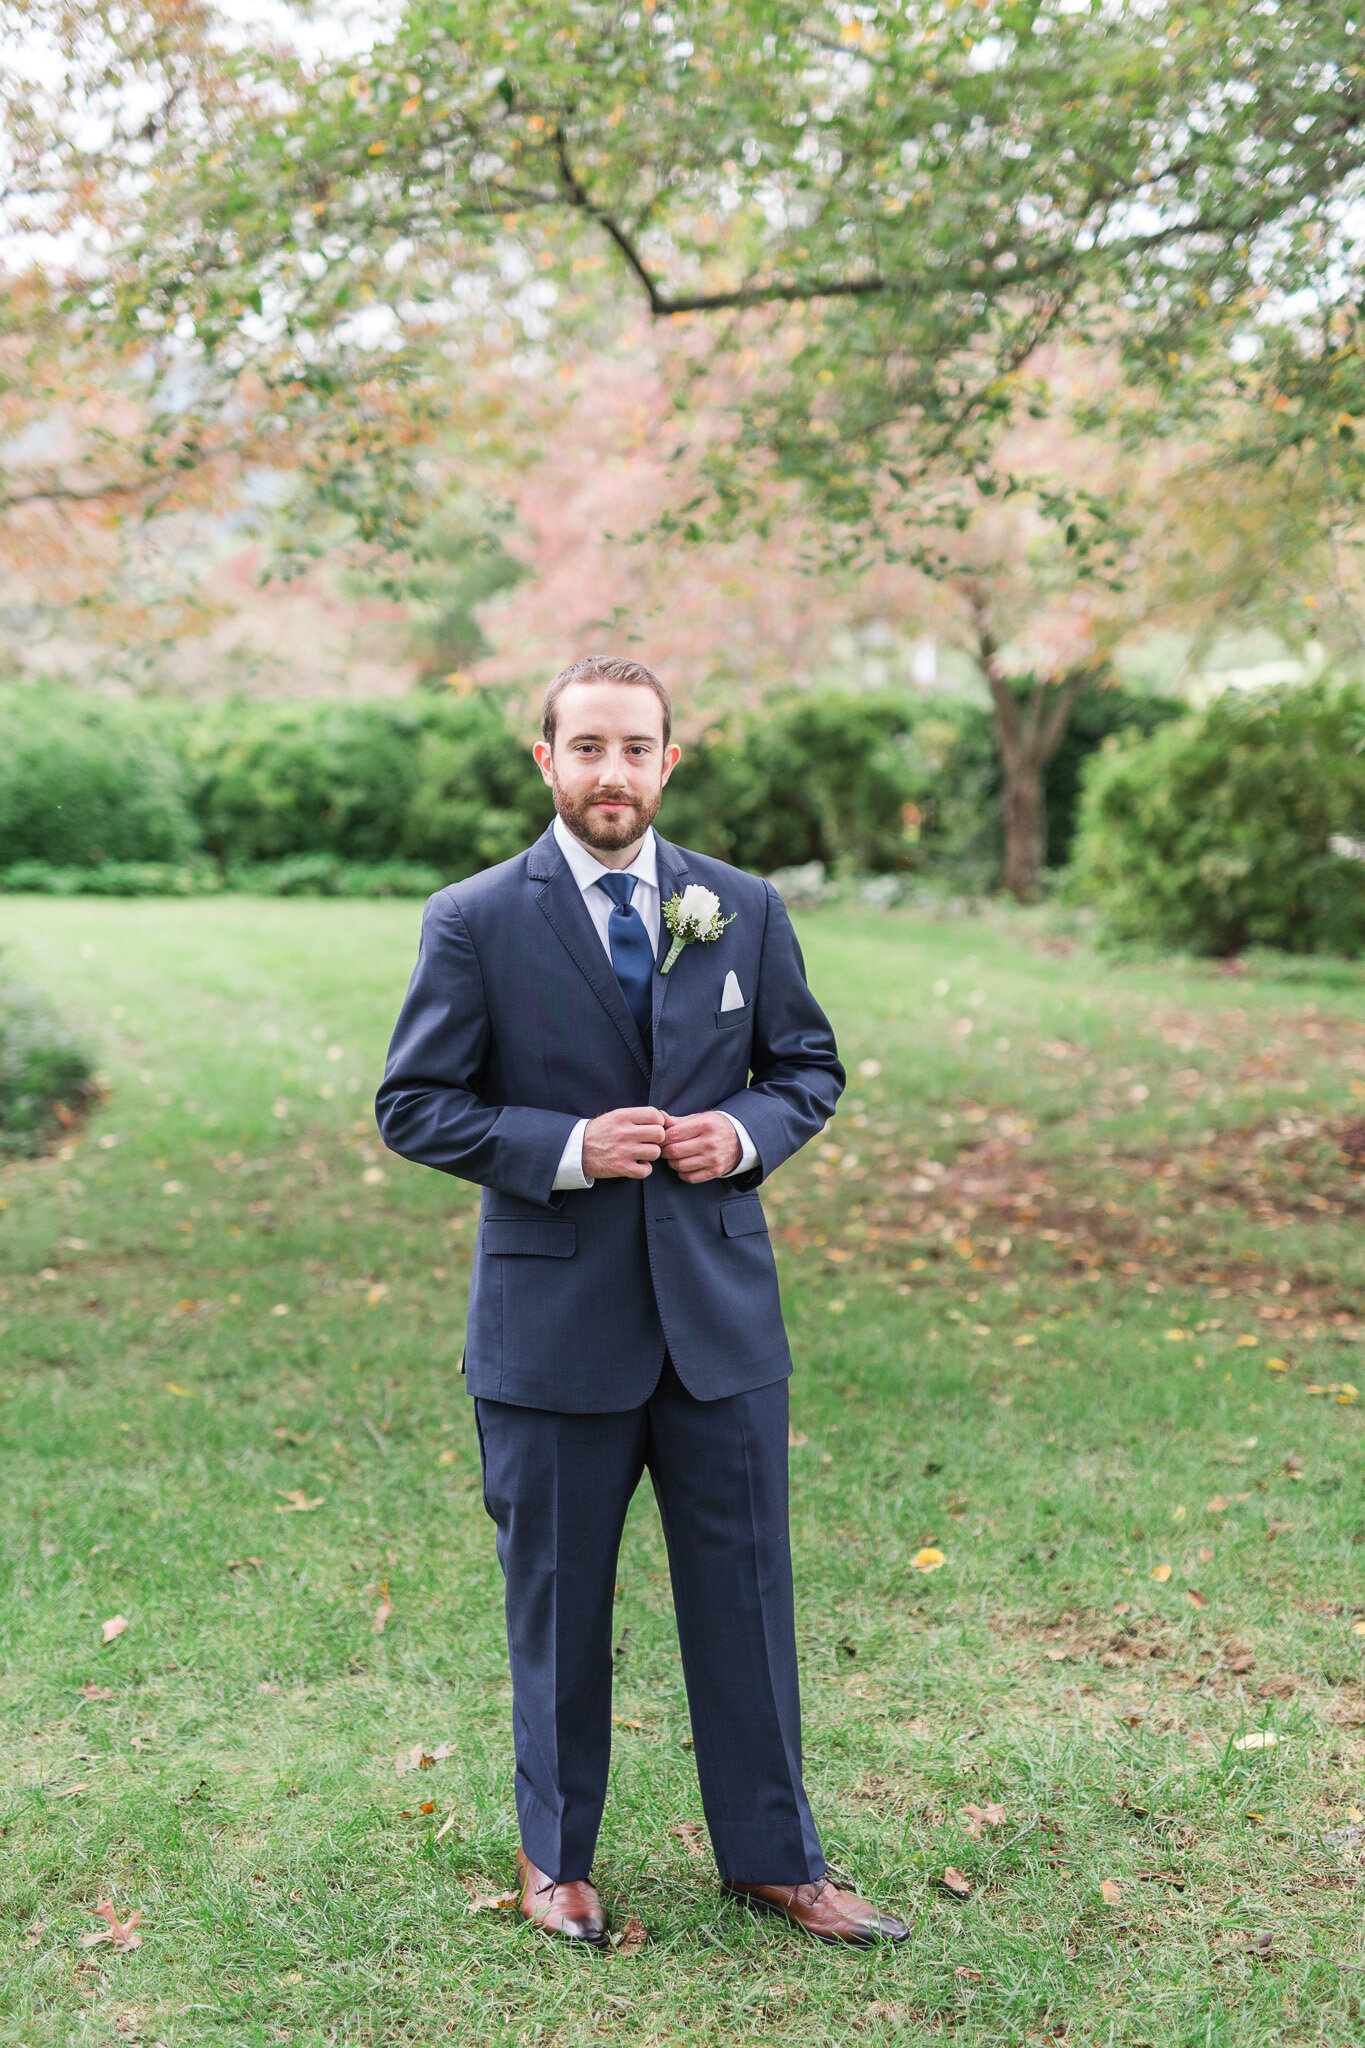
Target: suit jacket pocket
{"points": [[532, 1237], [743, 1217], [728, 1020]]}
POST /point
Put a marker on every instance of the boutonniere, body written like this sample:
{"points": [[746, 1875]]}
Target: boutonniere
{"points": [[693, 915]]}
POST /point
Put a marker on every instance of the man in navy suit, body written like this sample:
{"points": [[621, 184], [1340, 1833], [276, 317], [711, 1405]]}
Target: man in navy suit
{"points": [[624, 1312]]}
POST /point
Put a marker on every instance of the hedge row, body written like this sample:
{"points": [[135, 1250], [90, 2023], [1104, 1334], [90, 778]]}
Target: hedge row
{"points": [[398, 796], [46, 1078]]}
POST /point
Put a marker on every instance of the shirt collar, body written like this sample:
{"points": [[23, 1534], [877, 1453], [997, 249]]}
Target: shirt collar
{"points": [[587, 869]]}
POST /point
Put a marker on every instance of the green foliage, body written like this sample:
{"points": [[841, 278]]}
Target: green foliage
{"points": [[446, 782], [45, 1075], [1214, 834], [459, 562], [821, 777], [964, 782], [83, 781]]}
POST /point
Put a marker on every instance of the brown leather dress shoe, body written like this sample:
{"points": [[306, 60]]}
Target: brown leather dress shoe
{"points": [[822, 1910], [571, 1910]]}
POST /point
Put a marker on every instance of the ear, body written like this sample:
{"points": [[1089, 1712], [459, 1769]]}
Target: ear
{"points": [[544, 754], [672, 755]]}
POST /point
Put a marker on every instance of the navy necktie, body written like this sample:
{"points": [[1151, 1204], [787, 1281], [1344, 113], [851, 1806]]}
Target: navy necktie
{"points": [[631, 953]]}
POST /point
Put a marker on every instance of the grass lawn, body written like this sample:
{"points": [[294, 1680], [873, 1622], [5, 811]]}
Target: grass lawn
{"points": [[1064, 1279]]}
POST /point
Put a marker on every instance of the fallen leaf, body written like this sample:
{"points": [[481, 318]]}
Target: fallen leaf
{"points": [[954, 1881], [620, 1721], [1276, 1365], [795, 1439], [927, 1560], [419, 1758], [689, 1833], [1025, 1340], [118, 1933], [491, 1902], [446, 1825], [1161, 1573], [1109, 1891], [965, 1975], [383, 1610], [1248, 1340], [991, 1815], [297, 1502], [631, 1938], [376, 1294], [34, 1933], [1239, 1661], [1217, 1506], [1196, 1598], [172, 1388], [882, 2009], [1055, 1656], [1258, 1943], [115, 1626], [1260, 1738], [72, 1790], [90, 1691]]}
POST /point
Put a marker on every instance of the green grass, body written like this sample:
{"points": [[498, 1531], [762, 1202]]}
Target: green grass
{"points": [[222, 1290]]}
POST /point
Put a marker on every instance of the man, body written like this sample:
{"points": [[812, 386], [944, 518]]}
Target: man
{"points": [[620, 1099]]}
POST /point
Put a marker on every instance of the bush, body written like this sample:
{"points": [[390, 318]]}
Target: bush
{"points": [[824, 777], [45, 1076], [1215, 834], [83, 781]]}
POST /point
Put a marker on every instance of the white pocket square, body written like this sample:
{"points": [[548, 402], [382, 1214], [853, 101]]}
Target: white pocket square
{"points": [[731, 999]]}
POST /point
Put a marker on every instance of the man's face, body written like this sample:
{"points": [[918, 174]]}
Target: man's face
{"points": [[609, 763]]}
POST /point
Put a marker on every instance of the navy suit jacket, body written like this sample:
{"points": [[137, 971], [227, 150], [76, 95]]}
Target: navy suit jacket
{"points": [[514, 1027]]}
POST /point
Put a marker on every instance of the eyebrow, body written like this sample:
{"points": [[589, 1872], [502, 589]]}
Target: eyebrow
{"points": [[632, 739]]}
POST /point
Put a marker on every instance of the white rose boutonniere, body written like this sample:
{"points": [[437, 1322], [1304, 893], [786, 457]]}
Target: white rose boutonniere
{"points": [[693, 915]]}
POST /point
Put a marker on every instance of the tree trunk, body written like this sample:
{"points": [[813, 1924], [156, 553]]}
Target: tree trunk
{"points": [[1028, 732], [1025, 823]]}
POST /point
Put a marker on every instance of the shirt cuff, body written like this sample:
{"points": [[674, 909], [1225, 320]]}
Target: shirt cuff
{"points": [[569, 1174], [748, 1151]]}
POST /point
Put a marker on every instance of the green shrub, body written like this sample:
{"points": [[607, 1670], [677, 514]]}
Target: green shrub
{"points": [[83, 780], [45, 1076], [112, 878], [322, 874], [821, 777], [1214, 834]]}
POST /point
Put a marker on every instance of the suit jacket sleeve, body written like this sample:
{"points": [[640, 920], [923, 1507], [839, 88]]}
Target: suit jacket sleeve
{"points": [[431, 1106], [796, 1075]]}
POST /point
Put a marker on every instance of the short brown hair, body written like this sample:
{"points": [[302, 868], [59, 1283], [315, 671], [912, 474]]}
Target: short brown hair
{"points": [[603, 668]]}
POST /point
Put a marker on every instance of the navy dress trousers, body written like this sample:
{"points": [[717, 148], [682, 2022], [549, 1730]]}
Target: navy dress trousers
{"points": [[626, 1326]]}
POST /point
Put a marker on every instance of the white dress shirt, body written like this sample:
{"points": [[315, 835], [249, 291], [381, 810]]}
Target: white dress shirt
{"points": [[587, 870]]}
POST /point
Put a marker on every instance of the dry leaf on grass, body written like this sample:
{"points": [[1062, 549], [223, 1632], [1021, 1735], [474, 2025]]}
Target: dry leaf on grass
{"points": [[491, 1902], [383, 1610], [991, 1815], [114, 1627], [1109, 1891], [72, 1790], [631, 1938], [1261, 1738], [1196, 1598], [297, 1502], [446, 1825], [966, 1975], [34, 1933], [955, 1882], [882, 2009], [689, 1833], [419, 1758], [91, 1691], [120, 1934], [927, 1560], [1161, 1573], [795, 1441]]}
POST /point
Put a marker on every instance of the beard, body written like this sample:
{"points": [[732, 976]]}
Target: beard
{"points": [[607, 835]]}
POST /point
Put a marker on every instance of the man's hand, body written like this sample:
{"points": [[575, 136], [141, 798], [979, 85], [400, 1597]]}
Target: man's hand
{"points": [[623, 1144], [704, 1147]]}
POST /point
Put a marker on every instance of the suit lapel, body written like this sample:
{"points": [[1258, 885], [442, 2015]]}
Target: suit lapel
{"points": [[672, 868], [561, 899]]}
